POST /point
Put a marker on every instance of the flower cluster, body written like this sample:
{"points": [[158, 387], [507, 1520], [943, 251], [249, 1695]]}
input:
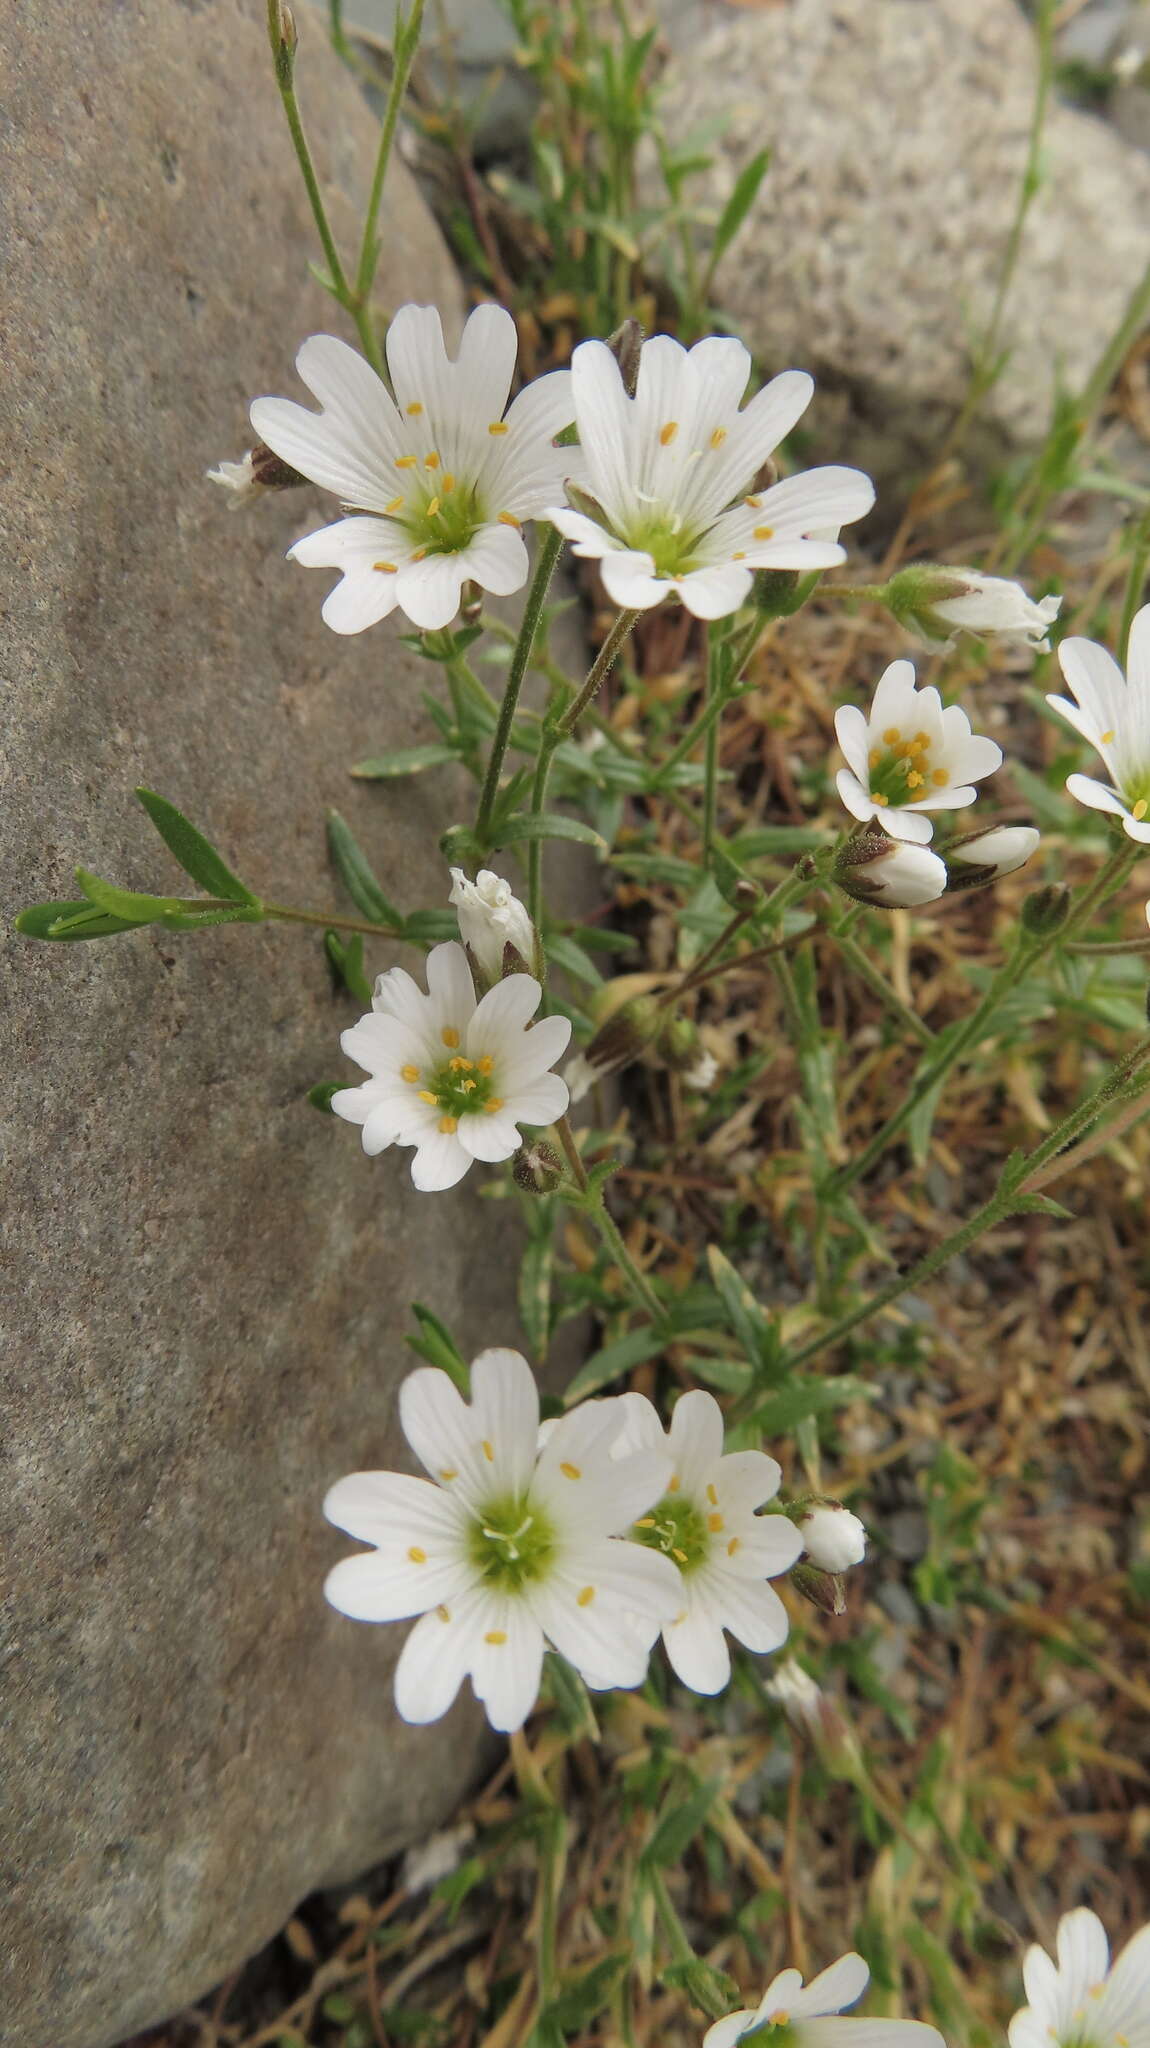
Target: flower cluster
{"points": [[592, 1534]]}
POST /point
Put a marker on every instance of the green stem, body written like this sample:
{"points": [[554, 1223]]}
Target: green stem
{"points": [[574, 1157], [669, 1920], [405, 45], [285, 914], [612, 1237], [549, 547], [283, 51], [597, 674], [715, 695], [876, 981]]}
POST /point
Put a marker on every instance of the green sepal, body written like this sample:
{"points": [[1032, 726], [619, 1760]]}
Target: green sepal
{"points": [[320, 1096], [711, 1990], [572, 1699], [195, 854], [357, 876], [436, 1344]]}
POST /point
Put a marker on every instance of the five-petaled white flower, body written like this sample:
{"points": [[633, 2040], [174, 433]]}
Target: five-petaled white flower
{"points": [[507, 1548], [490, 919], [798, 2017], [705, 1522], [1113, 713], [452, 1076], [1079, 2001], [671, 475], [911, 756], [439, 479]]}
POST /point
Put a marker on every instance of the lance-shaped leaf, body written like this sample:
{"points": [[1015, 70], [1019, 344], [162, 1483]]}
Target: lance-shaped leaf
{"points": [[72, 920], [196, 855], [355, 872]]}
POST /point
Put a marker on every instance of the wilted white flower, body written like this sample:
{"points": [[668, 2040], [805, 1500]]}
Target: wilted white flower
{"points": [[239, 480], [795, 1691], [802, 2013], [490, 918], [452, 1076], [706, 1524], [937, 603], [895, 876], [507, 1548], [672, 505], [833, 1538], [1079, 2001], [911, 756], [1113, 713], [439, 478], [1000, 849]]}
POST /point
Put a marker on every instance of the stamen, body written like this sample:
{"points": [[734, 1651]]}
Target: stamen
{"points": [[498, 427], [585, 1598], [668, 432], [448, 1125], [714, 1524], [490, 1108], [892, 735], [648, 1522], [733, 1545], [406, 461], [939, 777], [570, 1471], [447, 484], [450, 1036], [415, 408], [449, 1472], [461, 1066], [417, 1555], [396, 505], [874, 757], [1106, 738], [1139, 809], [712, 1496], [764, 532], [921, 739], [425, 1095], [386, 568], [754, 503], [674, 1483], [432, 507], [914, 780], [444, 1613], [419, 554], [409, 1073], [509, 519], [486, 1064], [881, 801], [488, 1452], [718, 437], [431, 459], [680, 1556], [740, 555], [679, 1619], [497, 1636]]}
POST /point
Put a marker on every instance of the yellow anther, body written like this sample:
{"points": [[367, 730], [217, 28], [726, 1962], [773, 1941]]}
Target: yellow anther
{"points": [[396, 505], [740, 555], [410, 1073], [449, 1472], [679, 1619], [718, 437], [415, 408], [922, 739], [881, 801], [674, 1483], [386, 568], [468, 1087], [939, 777], [509, 519], [425, 1095], [460, 1065], [444, 1613], [432, 508], [406, 461], [585, 1598], [489, 1451], [449, 1035], [668, 432], [497, 427], [1106, 738], [448, 1124], [733, 1545], [570, 1471], [648, 1522], [712, 1496], [1139, 809], [764, 532], [892, 735], [496, 1636], [714, 1524], [486, 1064], [447, 483], [490, 1108], [680, 1556], [875, 756], [417, 1555], [754, 503], [431, 459], [914, 780], [419, 554]]}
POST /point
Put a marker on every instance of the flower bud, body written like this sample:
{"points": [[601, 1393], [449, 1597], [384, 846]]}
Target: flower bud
{"points": [[537, 1169], [1045, 911], [833, 1538], [493, 924], [891, 874], [626, 346], [936, 603], [813, 1713], [981, 857], [824, 1590]]}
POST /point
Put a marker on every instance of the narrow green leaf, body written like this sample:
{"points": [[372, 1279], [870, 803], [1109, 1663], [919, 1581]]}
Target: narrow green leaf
{"points": [[196, 855], [550, 825], [355, 872], [802, 1397], [346, 956], [680, 1823], [535, 1291], [744, 1315], [436, 1343], [74, 921], [581, 2002], [613, 1360], [404, 761], [430, 927], [128, 904], [738, 206]]}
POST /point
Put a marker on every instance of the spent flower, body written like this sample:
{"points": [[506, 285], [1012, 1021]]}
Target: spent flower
{"points": [[491, 918], [439, 478], [452, 1075], [667, 502], [1080, 2000], [911, 756], [1112, 711], [506, 1548], [798, 2015], [936, 603]]}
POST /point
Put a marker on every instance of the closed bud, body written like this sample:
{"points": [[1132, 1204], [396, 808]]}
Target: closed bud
{"points": [[891, 874], [494, 925], [936, 603], [824, 1590], [811, 1712], [283, 36], [833, 1538], [981, 857], [626, 346], [537, 1169], [1045, 911]]}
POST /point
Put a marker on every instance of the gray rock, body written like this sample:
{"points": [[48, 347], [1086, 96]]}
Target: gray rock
{"points": [[898, 132], [206, 1280]]}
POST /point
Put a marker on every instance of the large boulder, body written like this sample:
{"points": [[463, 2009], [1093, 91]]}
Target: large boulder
{"points": [[206, 1281], [898, 137]]}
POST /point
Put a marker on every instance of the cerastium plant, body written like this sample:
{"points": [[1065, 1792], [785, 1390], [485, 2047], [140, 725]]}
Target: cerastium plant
{"points": [[554, 1554]]}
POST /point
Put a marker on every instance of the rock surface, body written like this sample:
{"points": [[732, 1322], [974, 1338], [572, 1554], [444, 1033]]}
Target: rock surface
{"points": [[206, 1281], [898, 133]]}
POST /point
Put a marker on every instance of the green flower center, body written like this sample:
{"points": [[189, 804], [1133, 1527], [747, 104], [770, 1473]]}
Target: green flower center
{"points": [[777, 2033], [680, 1530], [458, 1087], [901, 770], [511, 1543], [663, 536]]}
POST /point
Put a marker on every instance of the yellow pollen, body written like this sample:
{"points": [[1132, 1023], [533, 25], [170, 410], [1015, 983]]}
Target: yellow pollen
{"points": [[444, 1613], [1139, 809], [486, 1063], [417, 1555], [674, 1483], [740, 555], [714, 1524], [459, 1065], [733, 1545], [922, 739], [679, 1619], [447, 483], [406, 461], [570, 1471], [432, 508], [396, 505], [425, 1095], [509, 519], [496, 1636], [881, 801], [754, 503], [449, 1035], [419, 554], [497, 427], [490, 1108], [939, 777], [449, 1472], [780, 2019], [764, 532], [386, 568], [410, 1073], [680, 1556], [468, 1087], [648, 1522], [718, 437], [448, 1124], [488, 1451], [431, 459], [914, 781], [712, 1496], [1106, 738], [415, 408], [668, 432], [585, 1598], [875, 756], [892, 735]]}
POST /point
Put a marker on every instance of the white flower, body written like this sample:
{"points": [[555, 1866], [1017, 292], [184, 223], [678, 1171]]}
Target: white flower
{"points": [[490, 918], [439, 479], [1002, 848], [452, 1076], [898, 876], [703, 1073], [706, 1523], [1113, 713], [785, 2004], [1080, 2002], [987, 604], [506, 1548], [833, 1538], [911, 756], [671, 474], [239, 480]]}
